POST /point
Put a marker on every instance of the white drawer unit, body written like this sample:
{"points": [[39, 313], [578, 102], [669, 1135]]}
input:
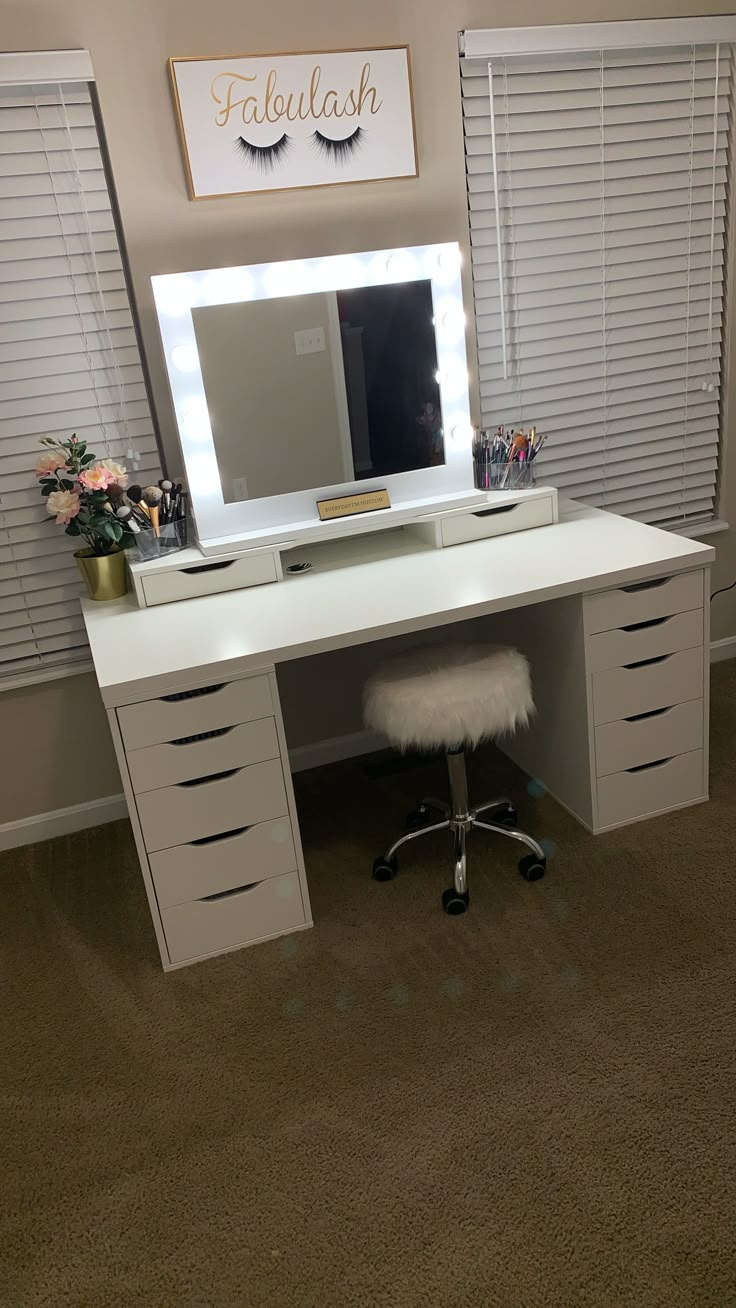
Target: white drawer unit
{"points": [[654, 788], [223, 862], [207, 779], [188, 574], [658, 683], [646, 640], [478, 524], [191, 712], [253, 912], [644, 600], [203, 755], [210, 805], [649, 737]]}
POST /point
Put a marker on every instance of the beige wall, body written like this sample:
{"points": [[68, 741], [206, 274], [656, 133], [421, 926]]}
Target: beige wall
{"points": [[274, 412], [130, 41]]}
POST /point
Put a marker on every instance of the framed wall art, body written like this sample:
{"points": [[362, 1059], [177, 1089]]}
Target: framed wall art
{"points": [[277, 122]]}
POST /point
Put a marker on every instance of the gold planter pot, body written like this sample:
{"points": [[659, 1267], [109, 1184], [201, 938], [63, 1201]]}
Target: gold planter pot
{"points": [[104, 574]]}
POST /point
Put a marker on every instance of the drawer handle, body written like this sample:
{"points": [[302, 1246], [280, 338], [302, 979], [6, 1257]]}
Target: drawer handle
{"points": [[192, 694], [203, 735], [646, 663], [645, 585], [214, 776], [646, 767], [223, 835], [207, 567], [653, 713], [651, 622], [499, 508], [228, 894]]}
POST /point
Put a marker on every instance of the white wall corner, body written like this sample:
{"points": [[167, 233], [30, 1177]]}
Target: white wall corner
{"points": [[61, 821]]}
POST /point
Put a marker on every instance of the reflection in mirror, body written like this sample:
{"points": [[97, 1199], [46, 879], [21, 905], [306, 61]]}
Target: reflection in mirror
{"points": [[309, 391]]}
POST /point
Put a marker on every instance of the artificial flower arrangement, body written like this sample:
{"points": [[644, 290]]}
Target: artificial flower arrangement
{"points": [[78, 490]]}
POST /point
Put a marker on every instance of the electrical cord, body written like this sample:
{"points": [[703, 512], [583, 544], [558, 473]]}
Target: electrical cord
{"points": [[722, 590]]}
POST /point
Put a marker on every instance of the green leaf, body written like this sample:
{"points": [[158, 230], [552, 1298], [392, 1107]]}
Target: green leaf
{"points": [[49, 489], [66, 484], [87, 459], [72, 528]]}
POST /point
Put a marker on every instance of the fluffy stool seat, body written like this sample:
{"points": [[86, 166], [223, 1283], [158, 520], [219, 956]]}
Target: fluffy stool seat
{"points": [[449, 696]]}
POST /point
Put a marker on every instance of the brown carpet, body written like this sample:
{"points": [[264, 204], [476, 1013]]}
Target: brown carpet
{"points": [[532, 1105]]}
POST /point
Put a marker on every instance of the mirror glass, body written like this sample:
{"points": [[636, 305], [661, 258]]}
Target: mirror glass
{"points": [[312, 390]]}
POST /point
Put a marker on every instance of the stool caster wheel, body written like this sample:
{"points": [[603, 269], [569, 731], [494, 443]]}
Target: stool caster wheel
{"points": [[453, 902], [532, 868], [421, 816], [507, 817], [385, 869]]}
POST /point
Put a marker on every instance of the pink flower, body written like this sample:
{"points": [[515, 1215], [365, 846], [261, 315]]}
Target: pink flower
{"points": [[65, 504], [96, 478], [50, 463], [116, 470]]}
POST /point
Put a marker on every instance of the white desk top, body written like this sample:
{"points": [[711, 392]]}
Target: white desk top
{"points": [[374, 593]]}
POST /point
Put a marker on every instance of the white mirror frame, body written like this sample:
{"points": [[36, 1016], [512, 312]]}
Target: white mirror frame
{"points": [[251, 521]]}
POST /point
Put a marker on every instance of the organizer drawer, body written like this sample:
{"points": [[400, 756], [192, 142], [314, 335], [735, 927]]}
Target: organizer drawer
{"points": [[643, 600], [191, 712], [624, 796], [458, 528], [631, 742], [223, 862], [209, 926], [208, 578], [193, 810], [202, 755], [614, 649], [623, 692]]}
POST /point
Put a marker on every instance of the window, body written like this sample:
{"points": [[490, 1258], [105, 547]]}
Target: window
{"points": [[597, 174], [69, 358]]}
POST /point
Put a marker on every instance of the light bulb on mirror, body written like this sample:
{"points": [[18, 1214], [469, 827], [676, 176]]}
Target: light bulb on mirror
{"points": [[173, 295], [227, 286], [292, 277], [195, 419], [185, 358], [401, 266]]}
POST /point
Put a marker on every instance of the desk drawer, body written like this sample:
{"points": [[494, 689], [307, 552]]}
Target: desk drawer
{"points": [[193, 711], [623, 692], [629, 743], [643, 600], [208, 578], [459, 528], [178, 814], [614, 649], [202, 756], [224, 862], [624, 796], [209, 926]]}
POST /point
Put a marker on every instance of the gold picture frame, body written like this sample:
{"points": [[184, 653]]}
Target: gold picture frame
{"points": [[193, 192]]}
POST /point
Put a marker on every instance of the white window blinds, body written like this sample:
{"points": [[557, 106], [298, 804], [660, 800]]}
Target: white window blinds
{"points": [[69, 358], [598, 265]]}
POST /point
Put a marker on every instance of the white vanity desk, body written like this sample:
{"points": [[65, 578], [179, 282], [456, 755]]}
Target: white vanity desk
{"points": [[620, 679]]}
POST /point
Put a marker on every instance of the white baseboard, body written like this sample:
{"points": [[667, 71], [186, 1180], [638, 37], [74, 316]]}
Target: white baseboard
{"points": [[61, 821], [723, 649], [334, 749]]}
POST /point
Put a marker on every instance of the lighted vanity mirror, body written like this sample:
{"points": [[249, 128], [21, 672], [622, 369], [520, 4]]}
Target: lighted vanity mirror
{"points": [[294, 382]]}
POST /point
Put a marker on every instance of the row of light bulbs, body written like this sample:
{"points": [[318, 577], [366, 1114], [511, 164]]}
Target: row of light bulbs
{"points": [[179, 292]]}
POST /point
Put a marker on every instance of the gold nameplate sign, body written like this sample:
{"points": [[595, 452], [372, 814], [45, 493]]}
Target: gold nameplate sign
{"points": [[367, 502]]}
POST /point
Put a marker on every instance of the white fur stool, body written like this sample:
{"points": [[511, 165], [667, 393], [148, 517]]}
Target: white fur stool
{"points": [[452, 697]]}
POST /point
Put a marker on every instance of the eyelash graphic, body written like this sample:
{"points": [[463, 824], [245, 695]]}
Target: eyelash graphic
{"points": [[338, 151], [263, 158]]}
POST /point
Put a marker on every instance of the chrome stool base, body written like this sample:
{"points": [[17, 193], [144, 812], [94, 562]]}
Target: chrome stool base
{"points": [[459, 819]]}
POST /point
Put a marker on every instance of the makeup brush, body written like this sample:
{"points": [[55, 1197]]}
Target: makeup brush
{"points": [[135, 495], [115, 493], [152, 497], [125, 514], [167, 487]]}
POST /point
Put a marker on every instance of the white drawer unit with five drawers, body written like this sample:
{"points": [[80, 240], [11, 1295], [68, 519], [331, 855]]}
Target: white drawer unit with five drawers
{"points": [[209, 790]]}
